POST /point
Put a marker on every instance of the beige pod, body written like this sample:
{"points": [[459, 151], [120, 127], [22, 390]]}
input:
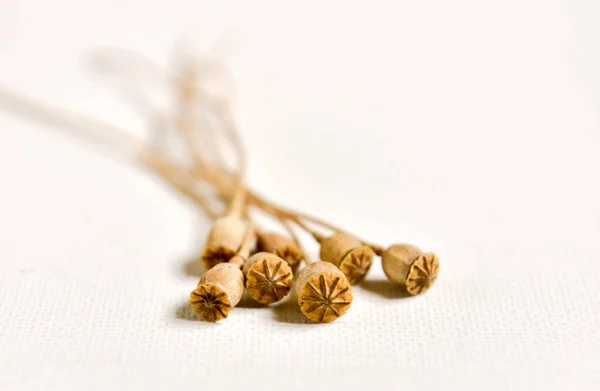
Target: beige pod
{"points": [[324, 293], [268, 277], [348, 254], [408, 265], [223, 240], [218, 291], [282, 246]]}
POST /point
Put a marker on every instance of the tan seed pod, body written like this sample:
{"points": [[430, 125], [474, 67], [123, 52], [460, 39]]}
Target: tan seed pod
{"points": [[348, 254], [324, 293], [282, 246], [408, 265], [218, 291], [223, 240], [268, 277]]}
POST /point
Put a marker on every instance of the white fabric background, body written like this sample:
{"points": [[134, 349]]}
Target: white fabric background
{"points": [[469, 128]]}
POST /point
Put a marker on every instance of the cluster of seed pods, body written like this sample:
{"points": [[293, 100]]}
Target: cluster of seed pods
{"points": [[238, 256]]}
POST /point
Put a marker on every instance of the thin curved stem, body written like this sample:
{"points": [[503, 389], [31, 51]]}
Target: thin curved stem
{"points": [[244, 251]]}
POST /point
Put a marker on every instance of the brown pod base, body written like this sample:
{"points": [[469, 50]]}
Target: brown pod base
{"points": [[284, 247], [324, 293], [210, 302], [268, 277], [348, 254], [356, 264], [423, 273], [218, 291], [291, 254], [407, 265], [215, 254]]}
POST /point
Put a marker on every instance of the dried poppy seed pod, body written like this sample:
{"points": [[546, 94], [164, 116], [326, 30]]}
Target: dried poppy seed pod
{"points": [[348, 254], [408, 265], [268, 277], [218, 291], [324, 293], [223, 240], [282, 246]]}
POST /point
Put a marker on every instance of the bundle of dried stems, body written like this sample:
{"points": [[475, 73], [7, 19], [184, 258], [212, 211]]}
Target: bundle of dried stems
{"points": [[237, 254]]}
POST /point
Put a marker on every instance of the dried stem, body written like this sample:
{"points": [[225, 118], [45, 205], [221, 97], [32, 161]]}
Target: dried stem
{"points": [[318, 237], [244, 251], [116, 138], [201, 171], [237, 206], [187, 94], [180, 181], [218, 178]]}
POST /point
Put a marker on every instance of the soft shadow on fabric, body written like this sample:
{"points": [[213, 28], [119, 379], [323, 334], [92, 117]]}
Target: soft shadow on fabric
{"points": [[288, 311], [185, 312], [248, 302], [385, 288]]}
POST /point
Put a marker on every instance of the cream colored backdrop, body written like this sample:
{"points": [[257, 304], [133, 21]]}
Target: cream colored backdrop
{"points": [[470, 128]]}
